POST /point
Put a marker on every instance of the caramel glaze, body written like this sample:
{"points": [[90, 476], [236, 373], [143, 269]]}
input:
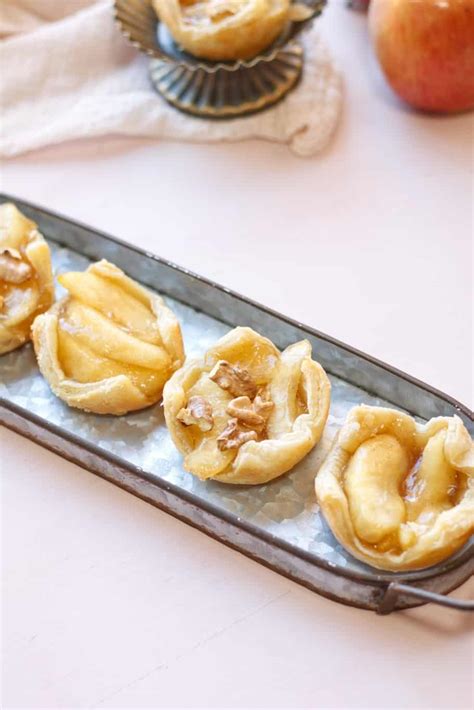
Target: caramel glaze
{"points": [[408, 490]]}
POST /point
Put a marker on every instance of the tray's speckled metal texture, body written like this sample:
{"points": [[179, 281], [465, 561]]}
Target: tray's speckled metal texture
{"points": [[279, 523]]}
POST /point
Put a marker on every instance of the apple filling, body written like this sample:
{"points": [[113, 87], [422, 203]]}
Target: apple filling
{"points": [[111, 331], [233, 418], [397, 494], [246, 413], [26, 281]]}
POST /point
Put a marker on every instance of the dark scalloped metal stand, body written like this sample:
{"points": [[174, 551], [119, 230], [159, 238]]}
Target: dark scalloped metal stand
{"points": [[215, 89]]}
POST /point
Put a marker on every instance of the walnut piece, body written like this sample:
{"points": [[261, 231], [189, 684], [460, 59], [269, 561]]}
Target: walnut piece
{"points": [[198, 411], [12, 269], [233, 379], [254, 415], [234, 436]]}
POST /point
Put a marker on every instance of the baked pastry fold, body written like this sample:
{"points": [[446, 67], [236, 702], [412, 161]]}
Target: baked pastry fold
{"points": [[226, 29], [26, 278], [109, 345], [246, 413], [397, 494]]}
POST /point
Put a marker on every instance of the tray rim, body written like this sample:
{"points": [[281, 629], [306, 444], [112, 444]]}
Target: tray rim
{"points": [[379, 592], [377, 577]]}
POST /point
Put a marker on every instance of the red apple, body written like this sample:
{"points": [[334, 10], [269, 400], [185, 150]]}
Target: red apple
{"points": [[426, 50]]}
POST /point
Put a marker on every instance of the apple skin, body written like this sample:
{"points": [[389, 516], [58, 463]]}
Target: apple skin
{"points": [[426, 51]]}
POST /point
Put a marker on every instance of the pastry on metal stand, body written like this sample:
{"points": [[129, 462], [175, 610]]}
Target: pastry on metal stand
{"points": [[217, 89]]}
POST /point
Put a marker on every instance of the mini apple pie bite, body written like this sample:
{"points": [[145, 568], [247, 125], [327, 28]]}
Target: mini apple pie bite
{"points": [[109, 345], [26, 279], [227, 29], [397, 494], [246, 412]]}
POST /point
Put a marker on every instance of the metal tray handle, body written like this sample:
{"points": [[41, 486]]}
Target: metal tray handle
{"points": [[393, 591]]}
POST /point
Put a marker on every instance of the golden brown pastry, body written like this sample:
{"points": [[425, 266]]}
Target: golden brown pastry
{"points": [[227, 29], [26, 279], [397, 494], [110, 345], [246, 413]]}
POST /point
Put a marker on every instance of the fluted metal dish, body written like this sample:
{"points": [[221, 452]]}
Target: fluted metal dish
{"points": [[215, 89]]}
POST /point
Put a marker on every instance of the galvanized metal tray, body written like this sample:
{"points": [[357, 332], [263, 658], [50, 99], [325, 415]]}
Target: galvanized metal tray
{"points": [[277, 524]]}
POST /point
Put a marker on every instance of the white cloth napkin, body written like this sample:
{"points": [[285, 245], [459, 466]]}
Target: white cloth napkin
{"points": [[66, 73]]}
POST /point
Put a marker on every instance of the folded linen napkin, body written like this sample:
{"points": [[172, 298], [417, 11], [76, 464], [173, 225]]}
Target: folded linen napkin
{"points": [[67, 73]]}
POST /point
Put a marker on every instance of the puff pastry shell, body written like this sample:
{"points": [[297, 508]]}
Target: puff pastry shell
{"points": [[224, 29], [296, 386], [26, 279], [108, 346], [397, 494]]}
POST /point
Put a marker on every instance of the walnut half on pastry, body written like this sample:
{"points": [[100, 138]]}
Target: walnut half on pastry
{"points": [[397, 494], [26, 278], [246, 412], [108, 346]]}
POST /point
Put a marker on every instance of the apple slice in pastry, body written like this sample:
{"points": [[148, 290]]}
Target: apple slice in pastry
{"points": [[246, 412], [108, 346], [26, 278], [397, 494]]}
